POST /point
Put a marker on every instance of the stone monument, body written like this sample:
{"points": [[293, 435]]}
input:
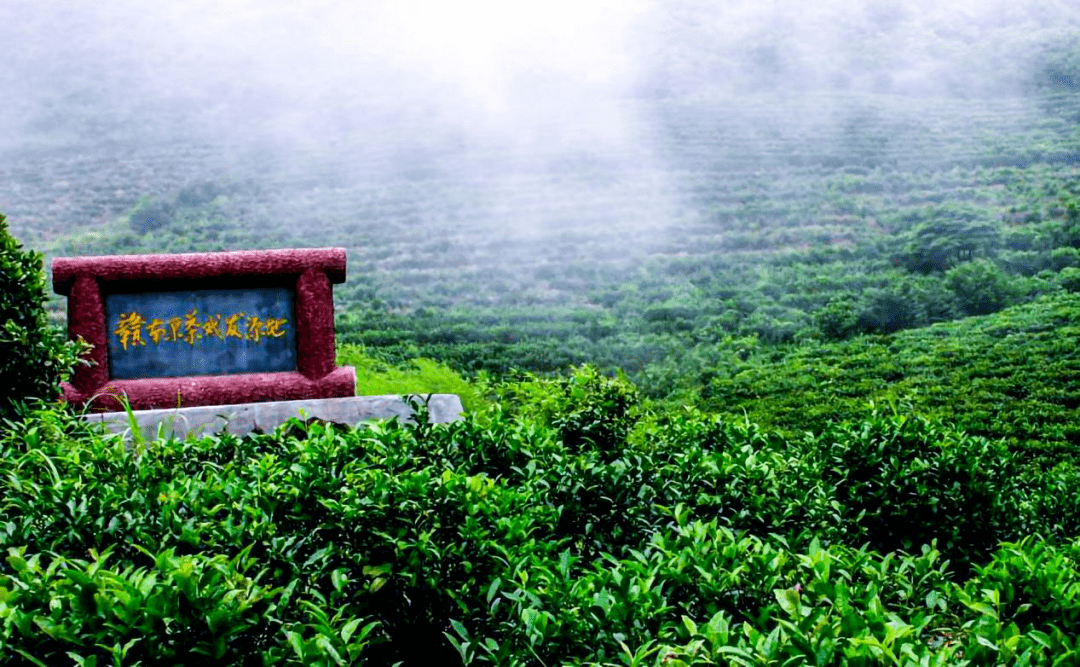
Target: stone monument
{"points": [[234, 333]]}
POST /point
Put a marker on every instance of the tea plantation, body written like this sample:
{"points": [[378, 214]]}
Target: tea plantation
{"points": [[566, 523], [570, 520], [792, 378]]}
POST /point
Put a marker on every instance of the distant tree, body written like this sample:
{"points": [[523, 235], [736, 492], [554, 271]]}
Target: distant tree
{"points": [[980, 287], [1068, 234], [887, 311], [197, 194], [774, 324], [1069, 278], [838, 320], [1063, 257], [947, 238], [150, 214], [931, 300]]}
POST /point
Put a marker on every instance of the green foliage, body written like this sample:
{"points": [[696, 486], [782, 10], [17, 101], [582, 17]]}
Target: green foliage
{"points": [[588, 409], [1069, 278], [887, 311], [948, 235], [415, 376], [905, 481], [33, 357], [150, 214], [760, 257], [980, 287], [574, 522], [498, 540], [1068, 233], [199, 193], [1057, 66], [180, 609], [1012, 375], [838, 320]]}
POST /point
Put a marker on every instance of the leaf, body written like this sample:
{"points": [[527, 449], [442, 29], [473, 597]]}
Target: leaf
{"points": [[16, 561], [322, 642], [493, 589], [348, 630], [789, 600], [297, 642], [459, 629], [338, 579], [690, 626], [378, 570], [81, 661], [30, 658]]}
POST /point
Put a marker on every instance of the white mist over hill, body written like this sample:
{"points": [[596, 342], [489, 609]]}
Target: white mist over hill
{"points": [[349, 92], [587, 124]]}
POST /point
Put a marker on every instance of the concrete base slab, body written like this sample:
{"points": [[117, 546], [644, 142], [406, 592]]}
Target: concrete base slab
{"points": [[246, 418]]}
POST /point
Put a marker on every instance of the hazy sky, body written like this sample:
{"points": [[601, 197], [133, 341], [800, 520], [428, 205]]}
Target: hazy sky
{"points": [[527, 70], [481, 62], [401, 83]]}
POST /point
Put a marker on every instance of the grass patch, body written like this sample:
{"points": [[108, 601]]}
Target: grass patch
{"points": [[416, 376]]}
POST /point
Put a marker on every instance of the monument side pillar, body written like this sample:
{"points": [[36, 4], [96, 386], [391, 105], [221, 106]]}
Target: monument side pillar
{"points": [[315, 325], [86, 320]]}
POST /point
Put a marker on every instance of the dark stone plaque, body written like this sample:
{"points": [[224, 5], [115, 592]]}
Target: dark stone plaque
{"points": [[200, 332], [212, 328]]}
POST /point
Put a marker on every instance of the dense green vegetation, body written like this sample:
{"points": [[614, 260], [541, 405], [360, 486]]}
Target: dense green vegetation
{"points": [[783, 255], [567, 524], [1012, 376], [33, 356]]}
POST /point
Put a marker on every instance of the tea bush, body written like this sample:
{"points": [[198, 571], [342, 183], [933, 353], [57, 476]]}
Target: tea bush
{"points": [[507, 538], [1008, 376], [905, 481], [151, 214], [589, 409]]}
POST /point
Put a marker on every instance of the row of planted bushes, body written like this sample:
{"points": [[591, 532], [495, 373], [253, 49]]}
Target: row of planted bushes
{"points": [[1010, 376], [565, 525]]}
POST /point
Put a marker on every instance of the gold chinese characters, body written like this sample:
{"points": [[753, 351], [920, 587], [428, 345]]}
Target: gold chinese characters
{"points": [[190, 328]]}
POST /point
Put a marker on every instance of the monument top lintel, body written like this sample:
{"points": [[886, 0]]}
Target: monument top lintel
{"points": [[238, 264]]}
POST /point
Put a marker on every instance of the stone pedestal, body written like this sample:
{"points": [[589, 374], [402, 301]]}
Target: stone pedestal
{"points": [[244, 418]]}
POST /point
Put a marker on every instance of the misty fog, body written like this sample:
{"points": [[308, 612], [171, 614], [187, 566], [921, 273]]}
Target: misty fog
{"points": [[493, 123]]}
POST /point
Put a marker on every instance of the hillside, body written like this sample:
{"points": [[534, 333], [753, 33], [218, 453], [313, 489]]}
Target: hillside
{"points": [[1014, 376], [774, 180], [753, 248]]}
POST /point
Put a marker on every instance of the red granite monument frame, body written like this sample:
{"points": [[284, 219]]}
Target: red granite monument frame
{"points": [[86, 281]]}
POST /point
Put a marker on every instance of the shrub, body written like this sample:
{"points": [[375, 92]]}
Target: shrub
{"points": [[487, 541], [1069, 278], [980, 287], [33, 359], [838, 320], [887, 312], [1056, 67], [595, 411], [590, 411], [905, 481], [198, 194], [948, 237], [150, 214]]}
